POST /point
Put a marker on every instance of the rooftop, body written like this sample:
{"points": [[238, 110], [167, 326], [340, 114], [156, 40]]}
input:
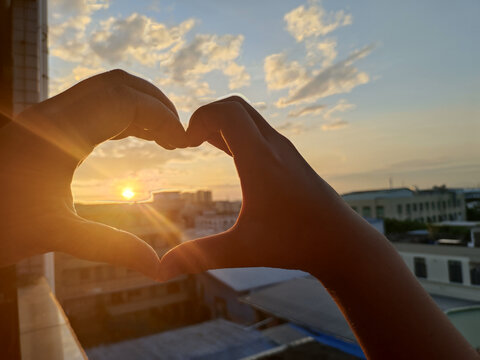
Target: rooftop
{"points": [[245, 279], [216, 339]]}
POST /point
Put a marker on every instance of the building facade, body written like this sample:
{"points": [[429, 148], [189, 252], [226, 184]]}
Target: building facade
{"points": [[428, 206]]}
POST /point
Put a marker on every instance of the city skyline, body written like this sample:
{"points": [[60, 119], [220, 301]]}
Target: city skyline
{"points": [[367, 92]]}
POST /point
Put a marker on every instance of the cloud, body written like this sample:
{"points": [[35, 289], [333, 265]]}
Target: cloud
{"points": [[335, 122], [339, 78], [314, 21], [292, 127], [138, 37], [322, 52], [78, 73], [307, 110], [260, 105], [67, 28], [281, 74], [204, 54], [238, 77]]}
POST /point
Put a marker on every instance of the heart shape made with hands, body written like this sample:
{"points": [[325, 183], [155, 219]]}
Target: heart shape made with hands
{"points": [[52, 138]]}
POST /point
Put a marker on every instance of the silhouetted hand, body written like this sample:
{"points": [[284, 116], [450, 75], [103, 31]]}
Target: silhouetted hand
{"points": [[285, 202], [291, 218], [42, 147]]}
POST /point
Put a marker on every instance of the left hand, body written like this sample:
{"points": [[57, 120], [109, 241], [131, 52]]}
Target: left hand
{"points": [[40, 150]]}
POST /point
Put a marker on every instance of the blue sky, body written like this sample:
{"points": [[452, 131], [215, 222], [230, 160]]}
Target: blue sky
{"points": [[385, 89]]}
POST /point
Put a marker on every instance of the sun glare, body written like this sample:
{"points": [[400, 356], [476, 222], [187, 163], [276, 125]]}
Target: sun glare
{"points": [[128, 193]]}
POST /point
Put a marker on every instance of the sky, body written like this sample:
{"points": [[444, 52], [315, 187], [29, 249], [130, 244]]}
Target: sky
{"points": [[372, 93]]}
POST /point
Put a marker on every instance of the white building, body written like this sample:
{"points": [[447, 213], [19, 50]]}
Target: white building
{"points": [[437, 204], [452, 271]]}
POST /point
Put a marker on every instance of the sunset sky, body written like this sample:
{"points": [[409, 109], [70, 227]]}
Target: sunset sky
{"points": [[366, 90]]}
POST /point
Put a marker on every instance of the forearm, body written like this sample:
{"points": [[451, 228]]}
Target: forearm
{"points": [[391, 314]]}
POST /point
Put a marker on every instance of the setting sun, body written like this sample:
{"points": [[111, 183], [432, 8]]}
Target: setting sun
{"points": [[128, 193]]}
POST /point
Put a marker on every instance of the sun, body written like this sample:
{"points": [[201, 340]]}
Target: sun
{"points": [[128, 193]]}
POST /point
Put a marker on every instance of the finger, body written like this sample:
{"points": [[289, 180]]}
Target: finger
{"points": [[163, 125], [98, 242], [263, 126], [232, 122], [214, 252], [217, 140], [135, 130], [116, 77]]}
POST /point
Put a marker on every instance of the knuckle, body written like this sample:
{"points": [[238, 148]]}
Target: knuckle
{"points": [[115, 75]]}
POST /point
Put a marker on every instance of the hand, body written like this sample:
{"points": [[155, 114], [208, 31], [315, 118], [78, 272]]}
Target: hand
{"points": [[40, 150], [291, 218], [285, 203]]}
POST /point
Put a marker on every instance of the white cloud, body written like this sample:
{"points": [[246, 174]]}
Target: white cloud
{"points": [[307, 110], [67, 28], [339, 78], [138, 37], [206, 53], [238, 77], [281, 74], [305, 22], [79, 73], [322, 52], [334, 121]]}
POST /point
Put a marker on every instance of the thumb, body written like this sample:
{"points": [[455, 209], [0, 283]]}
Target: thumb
{"points": [[98, 242], [224, 250]]}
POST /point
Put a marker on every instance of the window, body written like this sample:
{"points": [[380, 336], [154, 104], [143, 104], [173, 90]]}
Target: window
{"points": [[475, 273], [408, 209], [420, 267], [173, 288], [84, 274], [116, 298], [399, 209], [433, 205], [455, 271], [420, 206], [366, 211], [444, 203], [414, 207], [380, 212], [98, 273], [427, 206]]}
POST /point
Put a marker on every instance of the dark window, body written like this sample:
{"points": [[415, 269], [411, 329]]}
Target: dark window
{"points": [[116, 298], [427, 206], [420, 206], [433, 205], [380, 212], [420, 267], [455, 271], [407, 208], [366, 211], [84, 274], [173, 288], [98, 271], [414, 207], [399, 209], [475, 273]]}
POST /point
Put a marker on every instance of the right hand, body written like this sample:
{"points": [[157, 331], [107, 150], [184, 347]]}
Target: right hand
{"points": [[285, 203]]}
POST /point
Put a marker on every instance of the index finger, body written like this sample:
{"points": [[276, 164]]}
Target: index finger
{"points": [[230, 121]]}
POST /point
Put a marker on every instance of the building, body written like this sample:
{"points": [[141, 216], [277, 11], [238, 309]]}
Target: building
{"points": [[221, 289], [436, 204], [452, 271], [122, 302]]}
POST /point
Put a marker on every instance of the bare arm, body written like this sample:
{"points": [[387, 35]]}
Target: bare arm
{"points": [[291, 218]]}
